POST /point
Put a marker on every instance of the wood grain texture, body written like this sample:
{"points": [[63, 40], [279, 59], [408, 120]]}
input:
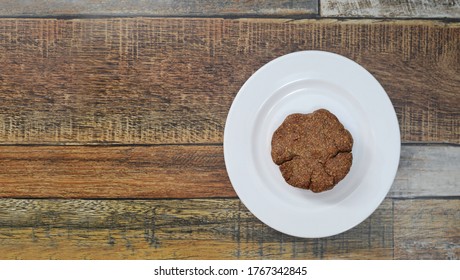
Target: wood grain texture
{"points": [[114, 172], [148, 81], [41, 8], [391, 8], [172, 229], [427, 171], [179, 172], [427, 229]]}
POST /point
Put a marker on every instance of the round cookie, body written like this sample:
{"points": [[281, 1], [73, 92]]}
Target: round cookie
{"points": [[312, 150]]}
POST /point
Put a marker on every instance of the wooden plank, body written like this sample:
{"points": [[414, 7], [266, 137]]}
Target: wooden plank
{"points": [[113, 172], [179, 172], [172, 229], [129, 80], [391, 8], [427, 229], [42, 8], [427, 171]]}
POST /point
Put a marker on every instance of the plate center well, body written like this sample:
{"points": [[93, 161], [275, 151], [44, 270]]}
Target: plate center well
{"points": [[304, 96]]}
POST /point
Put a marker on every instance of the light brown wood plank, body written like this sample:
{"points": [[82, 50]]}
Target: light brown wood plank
{"points": [[113, 172], [172, 229], [179, 172], [139, 80], [427, 229], [427, 171], [157, 8], [391, 8]]}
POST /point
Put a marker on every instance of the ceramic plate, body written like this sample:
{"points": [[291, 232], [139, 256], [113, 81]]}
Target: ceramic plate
{"points": [[303, 82]]}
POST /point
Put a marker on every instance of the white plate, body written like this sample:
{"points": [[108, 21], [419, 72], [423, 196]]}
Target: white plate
{"points": [[302, 82]]}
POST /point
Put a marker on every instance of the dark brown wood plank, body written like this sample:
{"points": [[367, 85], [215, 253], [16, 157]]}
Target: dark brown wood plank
{"points": [[151, 81], [179, 172], [41, 8], [427, 229], [391, 8], [172, 229]]}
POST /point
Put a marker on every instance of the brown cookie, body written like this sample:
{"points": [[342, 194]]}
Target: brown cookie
{"points": [[313, 150]]}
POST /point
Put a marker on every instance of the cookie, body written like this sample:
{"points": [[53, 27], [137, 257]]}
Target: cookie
{"points": [[313, 151]]}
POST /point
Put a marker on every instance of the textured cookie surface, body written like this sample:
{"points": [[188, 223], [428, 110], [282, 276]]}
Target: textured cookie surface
{"points": [[312, 150]]}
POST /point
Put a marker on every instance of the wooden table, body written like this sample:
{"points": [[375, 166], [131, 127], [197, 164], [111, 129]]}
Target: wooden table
{"points": [[112, 117]]}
